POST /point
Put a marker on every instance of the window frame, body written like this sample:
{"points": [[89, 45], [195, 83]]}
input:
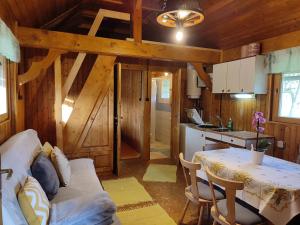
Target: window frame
{"points": [[160, 88], [4, 117], [276, 102]]}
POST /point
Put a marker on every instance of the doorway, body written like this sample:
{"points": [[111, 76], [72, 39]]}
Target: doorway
{"points": [[160, 128]]}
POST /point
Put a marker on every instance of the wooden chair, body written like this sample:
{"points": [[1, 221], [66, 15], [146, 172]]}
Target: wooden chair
{"points": [[196, 192], [228, 211], [215, 146]]}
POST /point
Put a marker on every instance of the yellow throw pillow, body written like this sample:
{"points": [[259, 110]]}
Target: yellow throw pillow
{"points": [[47, 149], [62, 166], [34, 202]]}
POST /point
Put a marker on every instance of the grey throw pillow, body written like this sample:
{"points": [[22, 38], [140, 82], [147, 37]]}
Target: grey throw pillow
{"points": [[44, 172]]}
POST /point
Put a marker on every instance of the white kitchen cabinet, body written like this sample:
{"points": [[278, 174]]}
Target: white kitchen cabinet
{"points": [[253, 75], [195, 141], [220, 78], [241, 76], [233, 77]]}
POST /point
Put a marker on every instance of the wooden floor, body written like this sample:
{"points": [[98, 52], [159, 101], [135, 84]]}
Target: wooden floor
{"points": [[128, 152], [169, 195]]}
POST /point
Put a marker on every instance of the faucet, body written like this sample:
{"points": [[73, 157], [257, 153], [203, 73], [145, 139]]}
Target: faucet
{"points": [[220, 121], [9, 173]]}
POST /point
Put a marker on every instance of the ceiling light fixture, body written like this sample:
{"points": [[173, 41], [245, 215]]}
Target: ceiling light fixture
{"points": [[179, 35], [183, 13]]}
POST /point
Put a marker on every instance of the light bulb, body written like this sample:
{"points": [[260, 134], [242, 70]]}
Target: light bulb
{"points": [[166, 74], [182, 14], [179, 35]]}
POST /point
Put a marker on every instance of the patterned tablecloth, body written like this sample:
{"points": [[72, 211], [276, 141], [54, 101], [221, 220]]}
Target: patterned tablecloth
{"points": [[273, 188]]}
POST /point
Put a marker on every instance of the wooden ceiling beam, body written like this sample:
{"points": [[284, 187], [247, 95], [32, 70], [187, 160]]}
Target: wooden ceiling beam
{"points": [[81, 56], [203, 75], [137, 20], [37, 38], [39, 67], [53, 23]]}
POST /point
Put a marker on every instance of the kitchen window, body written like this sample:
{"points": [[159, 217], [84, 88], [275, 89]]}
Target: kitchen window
{"points": [[286, 104], [3, 91]]}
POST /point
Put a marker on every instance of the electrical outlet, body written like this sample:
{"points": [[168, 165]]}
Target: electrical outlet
{"points": [[280, 144]]}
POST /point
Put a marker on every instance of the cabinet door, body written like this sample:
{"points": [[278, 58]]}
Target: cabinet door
{"points": [[193, 142], [233, 77], [219, 78], [247, 75]]}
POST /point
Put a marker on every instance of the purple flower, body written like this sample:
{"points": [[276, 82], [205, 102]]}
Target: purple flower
{"points": [[260, 129]]}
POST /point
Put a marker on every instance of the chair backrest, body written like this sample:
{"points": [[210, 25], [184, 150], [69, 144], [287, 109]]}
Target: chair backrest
{"points": [[230, 189], [216, 146], [190, 170]]}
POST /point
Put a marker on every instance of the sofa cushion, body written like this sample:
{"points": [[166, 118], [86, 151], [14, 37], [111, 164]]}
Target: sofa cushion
{"points": [[18, 154], [47, 149], [43, 170], [62, 166], [34, 203]]}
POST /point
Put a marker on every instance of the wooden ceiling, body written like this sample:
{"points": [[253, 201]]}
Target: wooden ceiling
{"points": [[228, 23]]}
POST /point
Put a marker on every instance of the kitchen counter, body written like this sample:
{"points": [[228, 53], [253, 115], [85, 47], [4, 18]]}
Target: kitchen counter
{"points": [[195, 139]]}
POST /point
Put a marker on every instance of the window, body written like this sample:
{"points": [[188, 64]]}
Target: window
{"points": [[165, 89], [287, 98], [3, 91]]}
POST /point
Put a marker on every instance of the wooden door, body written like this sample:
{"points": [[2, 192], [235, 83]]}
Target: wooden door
{"points": [[117, 119], [219, 78], [175, 115], [233, 77], [90, 129]]}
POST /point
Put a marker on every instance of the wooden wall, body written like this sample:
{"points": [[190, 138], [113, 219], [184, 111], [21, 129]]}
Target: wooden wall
{"points": [[241, 112], [39, 93], [132, 107]]}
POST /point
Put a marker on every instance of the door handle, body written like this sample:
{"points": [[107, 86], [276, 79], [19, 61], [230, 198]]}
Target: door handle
{"points": [[9, 173]]}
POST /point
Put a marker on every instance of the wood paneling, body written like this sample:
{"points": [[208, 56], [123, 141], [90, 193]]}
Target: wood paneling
{"points": [[241, 112], [132, 107], [35, 13]]}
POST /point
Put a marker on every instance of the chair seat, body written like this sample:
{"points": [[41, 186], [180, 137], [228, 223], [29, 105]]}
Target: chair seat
{"points": [[243, 215], [205, 192]]}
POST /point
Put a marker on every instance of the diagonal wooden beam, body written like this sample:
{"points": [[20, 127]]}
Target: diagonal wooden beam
{"points": [[39, 67], [137, 20], [203, 75], [36, 38], [95, 85], [81, 56]]}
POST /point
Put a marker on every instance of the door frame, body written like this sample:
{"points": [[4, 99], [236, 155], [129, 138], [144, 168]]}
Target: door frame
{"points": [[175, 110]]}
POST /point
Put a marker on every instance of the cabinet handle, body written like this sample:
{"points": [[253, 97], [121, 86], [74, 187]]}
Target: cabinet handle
{"points": [[231, 140], [242, 90], [228, 90], [223, 90]]}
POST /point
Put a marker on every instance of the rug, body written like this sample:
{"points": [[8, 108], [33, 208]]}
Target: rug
{"points": [[126, 191], [151, 215], [160, 173]]}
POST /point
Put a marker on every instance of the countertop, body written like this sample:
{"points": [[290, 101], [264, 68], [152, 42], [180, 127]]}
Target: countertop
{"points": [[244, 135]]}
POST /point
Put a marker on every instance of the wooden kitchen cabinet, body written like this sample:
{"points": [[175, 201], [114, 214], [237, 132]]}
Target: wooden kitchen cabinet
{"points": [[247, 75], [233, 77], [220, 78], [195, 142]]}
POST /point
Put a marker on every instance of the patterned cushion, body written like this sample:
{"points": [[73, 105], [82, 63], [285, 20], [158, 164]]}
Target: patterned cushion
{"points": [[62, 166], [47, 149], [43, 170], [34, 203]]}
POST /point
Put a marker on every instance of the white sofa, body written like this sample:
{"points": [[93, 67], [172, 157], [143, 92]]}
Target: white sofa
{"points": [[83, 202]]}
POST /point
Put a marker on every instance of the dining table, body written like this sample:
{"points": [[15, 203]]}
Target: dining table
{"points": [[272, 187]]}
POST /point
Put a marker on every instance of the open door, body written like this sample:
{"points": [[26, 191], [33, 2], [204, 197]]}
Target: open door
{"points": [[117, 119]]}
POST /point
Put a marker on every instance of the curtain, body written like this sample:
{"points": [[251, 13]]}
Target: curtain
{"points": [[284, 61], [9, 45]]}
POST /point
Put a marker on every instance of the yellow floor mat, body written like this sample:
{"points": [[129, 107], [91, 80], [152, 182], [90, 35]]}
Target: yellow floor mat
{"points": [[152, 215], [160, 173], [126, 191]]}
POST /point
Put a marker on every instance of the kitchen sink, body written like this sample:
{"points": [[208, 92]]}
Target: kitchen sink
{"points": [[221, 129]]}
